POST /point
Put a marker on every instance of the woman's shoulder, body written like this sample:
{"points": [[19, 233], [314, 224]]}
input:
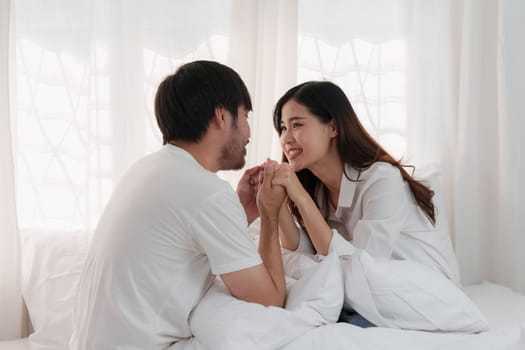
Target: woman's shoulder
{"points": [[380, 170], [381, 180]]}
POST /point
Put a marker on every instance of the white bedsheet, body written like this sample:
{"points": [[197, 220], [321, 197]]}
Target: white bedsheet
{"points": [[345, 336], [501, 306], [504, 309], [20, 344]]}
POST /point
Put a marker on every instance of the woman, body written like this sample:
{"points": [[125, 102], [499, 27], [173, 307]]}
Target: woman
{"points": [[340, 181]]}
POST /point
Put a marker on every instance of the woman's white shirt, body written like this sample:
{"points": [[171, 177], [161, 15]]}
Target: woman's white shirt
{"points": [[378, 213]]}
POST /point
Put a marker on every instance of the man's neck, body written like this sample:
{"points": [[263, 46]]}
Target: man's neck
{"points": [[203, 153]]}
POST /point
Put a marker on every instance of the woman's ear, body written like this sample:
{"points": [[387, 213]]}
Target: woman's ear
{"points": [[333, 129]]}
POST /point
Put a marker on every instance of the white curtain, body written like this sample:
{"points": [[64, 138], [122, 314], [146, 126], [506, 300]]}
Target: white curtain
{"points": [[507, 254], [489, 190], [437, 82], [87, 74], [11, 304]]}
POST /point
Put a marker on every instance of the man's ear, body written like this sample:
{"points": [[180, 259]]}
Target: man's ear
{"points": [[218, 117]]}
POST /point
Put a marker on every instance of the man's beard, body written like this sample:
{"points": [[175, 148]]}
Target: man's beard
{"points": [[233, 154]]}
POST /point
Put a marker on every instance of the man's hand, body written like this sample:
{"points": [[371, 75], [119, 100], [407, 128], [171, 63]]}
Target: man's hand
{"points": [[270, 197], [247, 192]]}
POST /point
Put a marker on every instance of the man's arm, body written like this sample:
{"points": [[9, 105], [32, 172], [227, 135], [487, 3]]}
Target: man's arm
{"points": [[288, 230], [264, 284]]}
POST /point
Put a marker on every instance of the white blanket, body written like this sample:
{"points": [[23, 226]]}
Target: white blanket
{"points": [[404, 294], [401, 294]]}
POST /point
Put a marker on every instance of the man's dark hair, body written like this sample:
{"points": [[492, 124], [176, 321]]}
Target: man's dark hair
{"points": [[185, 101]]}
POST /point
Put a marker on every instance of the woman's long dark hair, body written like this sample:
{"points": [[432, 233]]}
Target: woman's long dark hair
{"points": [[355, 145]]}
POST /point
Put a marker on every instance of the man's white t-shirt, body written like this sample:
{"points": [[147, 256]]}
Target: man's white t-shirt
{"points": [[170, 226]]}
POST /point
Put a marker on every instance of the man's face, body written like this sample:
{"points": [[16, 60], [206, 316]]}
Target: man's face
{"points": [[234, 151]]}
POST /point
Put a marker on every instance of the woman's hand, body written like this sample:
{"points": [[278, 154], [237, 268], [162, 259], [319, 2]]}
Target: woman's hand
{"points": [[286, 177]]}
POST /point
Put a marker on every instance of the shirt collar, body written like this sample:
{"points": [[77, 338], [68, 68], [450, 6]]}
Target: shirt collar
{"points": [[347, 190]]}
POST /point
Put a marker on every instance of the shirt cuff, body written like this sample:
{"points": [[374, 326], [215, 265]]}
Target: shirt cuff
{"points": [[339, 246]]}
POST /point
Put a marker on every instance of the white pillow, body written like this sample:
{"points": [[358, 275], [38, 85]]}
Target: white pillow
{"points": [[319, 287], [221, 321], [51, 266], [406, 295], [296, 263]]}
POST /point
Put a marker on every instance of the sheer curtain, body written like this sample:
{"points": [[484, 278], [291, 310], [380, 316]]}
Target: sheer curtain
{"points": [[437, 82], [507, 255], [87, 74], [11, 304], [489, 191]]}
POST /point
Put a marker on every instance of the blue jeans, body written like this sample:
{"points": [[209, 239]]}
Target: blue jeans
{"points": [[352, 317]]}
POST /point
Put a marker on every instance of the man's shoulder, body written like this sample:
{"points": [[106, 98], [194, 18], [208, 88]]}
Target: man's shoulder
{"points": [[168, 173], [177, 163]]}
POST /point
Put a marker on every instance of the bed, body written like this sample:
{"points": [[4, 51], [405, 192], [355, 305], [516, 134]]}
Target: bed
{"points": [[504, 309], [53, 268], [494, 320]]}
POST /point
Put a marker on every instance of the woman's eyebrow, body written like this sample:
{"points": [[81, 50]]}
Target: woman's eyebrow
{"points": [[291, 119]]}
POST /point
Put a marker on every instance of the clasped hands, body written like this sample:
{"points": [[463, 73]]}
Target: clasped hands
{"points": [[264, 188]]}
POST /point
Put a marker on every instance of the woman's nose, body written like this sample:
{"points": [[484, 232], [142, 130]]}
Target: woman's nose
{"points": [[286, 137]]}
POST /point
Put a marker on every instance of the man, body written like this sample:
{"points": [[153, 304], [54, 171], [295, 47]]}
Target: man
{"points": [[172, 224]]}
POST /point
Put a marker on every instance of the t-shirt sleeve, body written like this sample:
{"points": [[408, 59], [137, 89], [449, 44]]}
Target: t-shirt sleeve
{"points": [[221, 230]]}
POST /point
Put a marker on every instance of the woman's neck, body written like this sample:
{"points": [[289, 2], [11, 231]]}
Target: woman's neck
{"points": [[330, 172]]}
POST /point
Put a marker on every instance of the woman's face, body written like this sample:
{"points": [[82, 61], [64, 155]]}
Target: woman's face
{"points": [[305, 140]]}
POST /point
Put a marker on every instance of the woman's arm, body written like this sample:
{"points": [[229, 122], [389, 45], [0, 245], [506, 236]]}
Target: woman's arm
{"points": [[318, 230]]}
